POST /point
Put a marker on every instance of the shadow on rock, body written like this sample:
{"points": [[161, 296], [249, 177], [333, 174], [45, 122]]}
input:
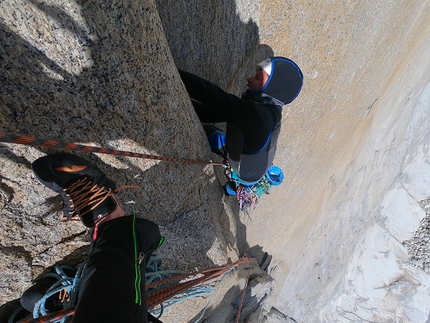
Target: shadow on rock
{"points": [[100, 73], [219, 42]]}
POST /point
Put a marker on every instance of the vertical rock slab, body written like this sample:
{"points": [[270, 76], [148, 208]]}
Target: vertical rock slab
{"points": [[218, 40], [97, 73]]}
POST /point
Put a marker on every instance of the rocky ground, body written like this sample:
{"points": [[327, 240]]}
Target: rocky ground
{"points": [[419, 246]]}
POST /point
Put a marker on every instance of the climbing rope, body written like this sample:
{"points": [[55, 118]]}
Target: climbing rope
{"points": [[239, 309], [56, 317], [171, 290], [171, 286], [67, 288], [247, 195], [155, 273], [163, 288], [30, 141]]}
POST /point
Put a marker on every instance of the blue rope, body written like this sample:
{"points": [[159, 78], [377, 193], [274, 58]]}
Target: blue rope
{"points": [[153, 273], [66, 283]]}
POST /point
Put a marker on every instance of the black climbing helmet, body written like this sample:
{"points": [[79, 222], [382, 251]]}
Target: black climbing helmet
{"points": [[285, 79]]}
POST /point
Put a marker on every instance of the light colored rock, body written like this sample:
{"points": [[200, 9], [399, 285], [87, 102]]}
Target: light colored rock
{"points": [[380, 284], [257, 290], [400, 214], [370, 276]]}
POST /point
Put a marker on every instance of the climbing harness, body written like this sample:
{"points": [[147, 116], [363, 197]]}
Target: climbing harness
{"points": [[30, 141], [163, 289], [246, 194]]}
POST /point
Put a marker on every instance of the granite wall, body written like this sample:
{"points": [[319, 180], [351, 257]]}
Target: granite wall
{"points": [[98, 73]]}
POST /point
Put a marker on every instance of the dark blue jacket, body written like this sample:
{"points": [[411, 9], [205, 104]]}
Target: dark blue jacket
{"points": [[253, 121]]}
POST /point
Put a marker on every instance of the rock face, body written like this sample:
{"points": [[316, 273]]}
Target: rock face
{"points": [[353, 146], [99, 73]]}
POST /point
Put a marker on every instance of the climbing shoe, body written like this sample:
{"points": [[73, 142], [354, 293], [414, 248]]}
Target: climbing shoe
{"points": [[85, 190], [49, 290]]}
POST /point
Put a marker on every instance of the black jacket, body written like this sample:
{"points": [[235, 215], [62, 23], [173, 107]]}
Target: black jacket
{"points": [[253, 121]]}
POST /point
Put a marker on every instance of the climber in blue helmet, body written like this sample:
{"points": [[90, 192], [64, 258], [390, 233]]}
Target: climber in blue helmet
{"points": [[254, 120]]}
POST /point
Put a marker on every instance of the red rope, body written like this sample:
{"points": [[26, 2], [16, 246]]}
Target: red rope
{"points": [[53, 316], [243, 295], [159, 296], [195, 278], [30, 141]]}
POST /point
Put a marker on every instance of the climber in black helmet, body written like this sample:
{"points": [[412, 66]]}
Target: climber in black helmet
{"points": [[254, 120]]}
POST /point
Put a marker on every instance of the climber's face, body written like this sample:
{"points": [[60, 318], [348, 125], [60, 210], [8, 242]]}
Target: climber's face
{"points": [[257, 81]]}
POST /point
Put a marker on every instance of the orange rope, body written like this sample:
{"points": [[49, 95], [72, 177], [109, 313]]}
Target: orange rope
{"points": [[30, 141], [159, 296], [243, 295], [53, 316]]}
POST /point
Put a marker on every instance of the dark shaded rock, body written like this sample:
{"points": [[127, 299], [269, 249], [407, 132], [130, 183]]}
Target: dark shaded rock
{"points": [[98, 73]]}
